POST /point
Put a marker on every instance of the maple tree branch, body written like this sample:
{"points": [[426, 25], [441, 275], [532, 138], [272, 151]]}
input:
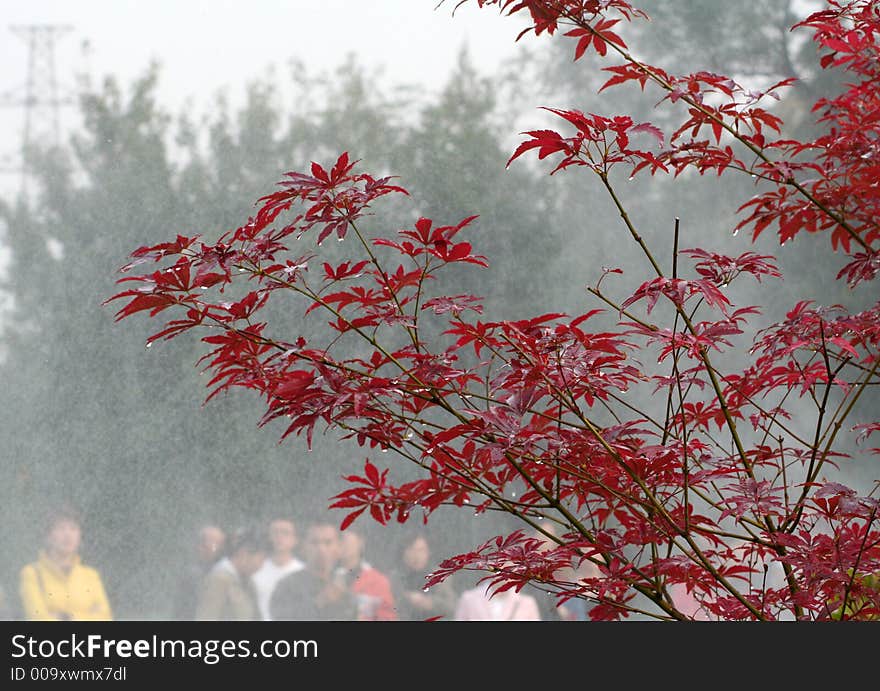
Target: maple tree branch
{"points": [[693, 103]]}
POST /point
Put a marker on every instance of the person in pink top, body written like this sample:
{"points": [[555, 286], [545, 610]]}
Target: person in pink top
{"points": [[370, 587], [477, 604]]}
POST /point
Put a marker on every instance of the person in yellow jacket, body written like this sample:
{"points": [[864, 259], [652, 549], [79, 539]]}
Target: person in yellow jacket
{"points": [[58, 586], [863, 603]]}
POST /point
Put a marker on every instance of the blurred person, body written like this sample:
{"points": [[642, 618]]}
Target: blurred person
{"points": [[686, 602], [480, 603], [283, 539], [58, 586], [861, 601], [371, 587], [547, 605], [227, 591], [578, 608], [689, 600], [574, 609], [317, 592], [209, 546], [414, 602]]}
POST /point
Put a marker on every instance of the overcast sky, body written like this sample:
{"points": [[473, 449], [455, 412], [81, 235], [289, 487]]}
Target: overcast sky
{"points": [[207, 45]]}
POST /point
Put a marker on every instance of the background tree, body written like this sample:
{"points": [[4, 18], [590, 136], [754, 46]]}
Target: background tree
{"points": [[127, 176]]}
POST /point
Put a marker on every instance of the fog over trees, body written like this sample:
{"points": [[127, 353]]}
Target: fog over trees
{"points": [[93, 417]]}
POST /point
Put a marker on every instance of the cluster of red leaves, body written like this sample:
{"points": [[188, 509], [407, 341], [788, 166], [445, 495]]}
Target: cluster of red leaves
{"points": [[806, 193], [541, 417], [600, 143], [827, 200]]}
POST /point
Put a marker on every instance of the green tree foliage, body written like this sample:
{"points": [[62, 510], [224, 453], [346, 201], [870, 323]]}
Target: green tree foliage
{"points": [[436, 159], [128, 176], [134, 174]]}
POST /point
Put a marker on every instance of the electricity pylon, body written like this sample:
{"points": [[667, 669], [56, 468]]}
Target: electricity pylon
{"points": [[39, 96]]}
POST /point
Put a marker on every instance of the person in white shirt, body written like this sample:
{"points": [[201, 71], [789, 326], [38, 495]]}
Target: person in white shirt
{"points": [[282, 561]]}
